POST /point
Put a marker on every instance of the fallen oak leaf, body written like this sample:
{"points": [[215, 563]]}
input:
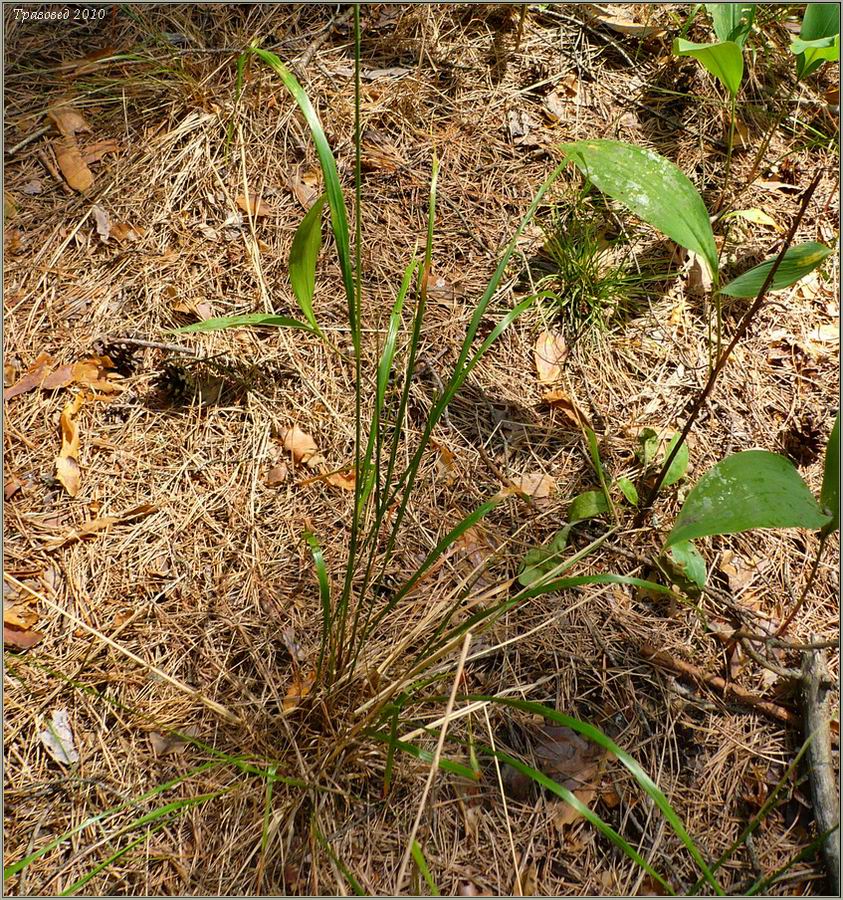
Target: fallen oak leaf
{"points": [[103, 523], [536, 485], [68, 121], [561, 401], [96, 151], [35, 374], [18, 615], [67, 462]]}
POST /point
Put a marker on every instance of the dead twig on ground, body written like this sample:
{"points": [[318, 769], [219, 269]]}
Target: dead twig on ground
{"points": [[826, 803]]}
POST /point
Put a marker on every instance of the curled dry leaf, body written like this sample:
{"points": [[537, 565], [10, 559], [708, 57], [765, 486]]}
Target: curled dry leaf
{"points": [[305, 186], [550, 352], [68, 121], [18, 620], [125, 231], [35, 374], [298, 690], [621, 25], [67, 462], [344, 480], [254, 205], [91, 372], [74, 169], [301, 445], [561, 401], [699, 277], [96, 151], [171, 744], [11, 486], [23, 640], [57, 738]]}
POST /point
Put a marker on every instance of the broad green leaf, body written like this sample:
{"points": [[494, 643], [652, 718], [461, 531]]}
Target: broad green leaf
{"points": [[540, 560], [830, 492], [723, 60], [686, 563], [797, 263], [628, 490], [253, 319], [752, 489], [587, 506], [679, 466], [648, 446], [732, 21], [303, 256], [652, 187], [820, 22]]}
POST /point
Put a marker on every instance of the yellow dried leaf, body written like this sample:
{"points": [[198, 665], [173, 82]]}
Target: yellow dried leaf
{"points": [[277, 475], [96, 151], [123, 231], [18, 615], [550, 352], [103, 523], [254, 205], [345, 481], [536, 485], [67, 462]]}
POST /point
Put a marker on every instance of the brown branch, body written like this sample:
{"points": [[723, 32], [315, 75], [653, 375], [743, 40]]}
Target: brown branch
{"points": [[728, 689], [820, 767]]}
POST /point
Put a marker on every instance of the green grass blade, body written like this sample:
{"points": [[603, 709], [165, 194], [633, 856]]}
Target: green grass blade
{"points": [[19, 865], [808, 852], [267, 807], [421, 862], [304, 254], [644, 781], [336, 202], [425, 756], [80, 882], [594, 452], [830, 491], [324, 597], [603, 827], [251, 319], [347, 874]]}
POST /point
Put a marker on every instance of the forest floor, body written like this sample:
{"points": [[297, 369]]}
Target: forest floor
{"points": [[196, 608]]}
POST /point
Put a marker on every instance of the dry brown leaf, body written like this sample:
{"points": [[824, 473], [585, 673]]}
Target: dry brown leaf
{"points": [[124, 231], [96, 151], [469, 889], [171, 744], [11, 486], [67, 462], [301, 445], [76, 172], [305, 187], [103, 523], [9, 373], [536, 485], [277, 475], [68, 121], [624, 26], [33, 187], [18, 615], [777, 186], [35, 374], [699, 278], [343, 480], [103, 222], [561, 401], [23, 640], [526, 884], [445, 462], [550, 352], [565, 814], [254, 205], [89, 61], [298, 690]]}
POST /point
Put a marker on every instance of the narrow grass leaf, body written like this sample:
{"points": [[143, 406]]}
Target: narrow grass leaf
{"points": [[752, 489], [421, 862], [304, 254], [644, 781], [249, 319], [333, 189], [594, 453], [796, 264], [652, 187], [425, 756], [347, 874], [809, 852], [570, 798], [830, 491], [80, 882], [723, 60], [628, 489], [324, 594]]}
